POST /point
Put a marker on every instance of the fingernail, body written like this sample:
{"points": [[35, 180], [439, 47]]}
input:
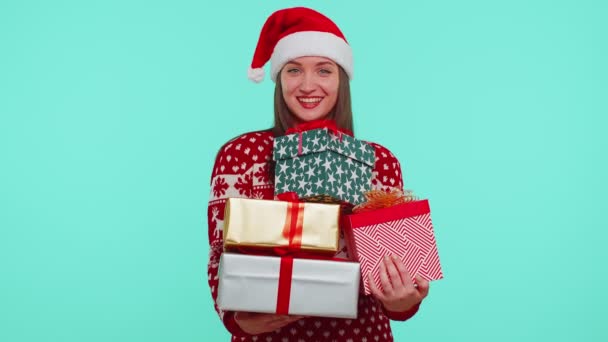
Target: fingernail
{"points": [[395, 257]]}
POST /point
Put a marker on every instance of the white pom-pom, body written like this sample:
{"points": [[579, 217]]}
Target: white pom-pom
{"points": [[256, 74]]}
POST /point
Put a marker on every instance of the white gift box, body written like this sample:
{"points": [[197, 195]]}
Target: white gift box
{"points": [[318, 287]]}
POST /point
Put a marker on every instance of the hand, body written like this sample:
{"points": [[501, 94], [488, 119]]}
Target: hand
{"points": [[255, 323], [399, 293]]}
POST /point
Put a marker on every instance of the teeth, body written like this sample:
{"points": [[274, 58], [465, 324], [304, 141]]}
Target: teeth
{"points": [[310, 100]]}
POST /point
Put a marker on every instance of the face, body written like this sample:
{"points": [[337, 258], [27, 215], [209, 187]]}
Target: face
{"points": [[310, 87]]}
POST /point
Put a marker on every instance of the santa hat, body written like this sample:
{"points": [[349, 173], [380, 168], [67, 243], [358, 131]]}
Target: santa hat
{"points": [[296, 32]]}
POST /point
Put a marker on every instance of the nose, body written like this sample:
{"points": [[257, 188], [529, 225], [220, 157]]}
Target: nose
{"points": [[308, 83]]}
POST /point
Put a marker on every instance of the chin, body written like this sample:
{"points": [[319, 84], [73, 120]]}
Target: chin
{"points": [[308, 118]]}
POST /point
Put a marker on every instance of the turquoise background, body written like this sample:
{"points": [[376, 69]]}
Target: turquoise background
{"points": [[111, 113]]}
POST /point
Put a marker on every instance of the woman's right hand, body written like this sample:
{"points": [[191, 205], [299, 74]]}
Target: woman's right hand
{"points": [[255, 323]]}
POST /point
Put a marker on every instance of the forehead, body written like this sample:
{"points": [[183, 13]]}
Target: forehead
{"points": [[312, 60]]}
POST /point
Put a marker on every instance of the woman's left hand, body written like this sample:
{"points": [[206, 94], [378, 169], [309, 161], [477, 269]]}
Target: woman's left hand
{"points": [[398, 291]]}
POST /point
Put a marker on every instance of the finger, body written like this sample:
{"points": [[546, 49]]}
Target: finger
{"points": [[393, 273], [246, 315], [290, 318], [274, 324], [266, 328], [294, 319], [257, 323], [374, 289], [258, 315], [267, 319], [406, 278], [423, 286], [283, 318], [285, 321], [384, 278]]}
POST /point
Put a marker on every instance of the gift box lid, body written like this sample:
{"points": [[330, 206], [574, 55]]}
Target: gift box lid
{"points": [[321, 140], [400, 211]]}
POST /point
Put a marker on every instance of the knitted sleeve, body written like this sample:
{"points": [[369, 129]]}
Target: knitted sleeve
{"points": [[231, 177], [387, 176]]}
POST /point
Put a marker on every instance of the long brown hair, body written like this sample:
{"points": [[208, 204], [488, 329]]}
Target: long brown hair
{"points": [[341, 113]]}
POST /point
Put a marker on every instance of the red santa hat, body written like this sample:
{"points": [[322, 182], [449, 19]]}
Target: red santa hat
{"points": [[296, 32]]}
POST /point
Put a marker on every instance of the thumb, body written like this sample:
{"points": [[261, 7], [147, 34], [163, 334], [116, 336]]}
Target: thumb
{"points": [[423, 286]]}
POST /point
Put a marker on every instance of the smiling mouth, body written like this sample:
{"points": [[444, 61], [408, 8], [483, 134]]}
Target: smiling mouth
{"points": [[309, 102]]}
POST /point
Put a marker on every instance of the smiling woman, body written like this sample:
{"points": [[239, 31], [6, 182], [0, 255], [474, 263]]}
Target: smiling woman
{"points": [[312, 88], [311, 63]]}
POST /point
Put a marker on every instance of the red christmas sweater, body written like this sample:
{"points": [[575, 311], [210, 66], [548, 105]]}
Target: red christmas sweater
{"points": [[242, 169]]}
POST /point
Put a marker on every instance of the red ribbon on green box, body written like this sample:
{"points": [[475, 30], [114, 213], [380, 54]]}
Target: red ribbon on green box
{"points": [[317, 124]]}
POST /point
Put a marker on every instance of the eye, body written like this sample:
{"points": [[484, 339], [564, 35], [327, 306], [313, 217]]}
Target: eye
{"points": [[324, 72], [293, 70]]}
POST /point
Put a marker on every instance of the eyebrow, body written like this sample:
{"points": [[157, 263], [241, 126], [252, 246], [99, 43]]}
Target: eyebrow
{"points": [[320, 63]]}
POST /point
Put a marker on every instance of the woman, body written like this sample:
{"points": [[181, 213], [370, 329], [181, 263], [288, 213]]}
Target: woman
{"points": [[311, 64]]}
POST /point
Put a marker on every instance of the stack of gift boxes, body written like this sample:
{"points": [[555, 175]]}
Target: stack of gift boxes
{"points": [[279, 255]]}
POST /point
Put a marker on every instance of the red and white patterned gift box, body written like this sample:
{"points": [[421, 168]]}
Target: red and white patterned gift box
{"points": [[404, 230]]}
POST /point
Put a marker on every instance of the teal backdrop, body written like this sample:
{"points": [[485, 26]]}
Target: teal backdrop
{"points": [[111, 113]]}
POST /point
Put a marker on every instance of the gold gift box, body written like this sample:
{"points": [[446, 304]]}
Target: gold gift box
{"points": [[260, 223]]}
